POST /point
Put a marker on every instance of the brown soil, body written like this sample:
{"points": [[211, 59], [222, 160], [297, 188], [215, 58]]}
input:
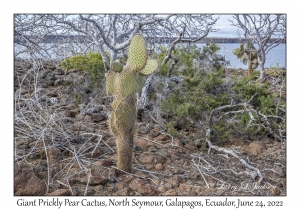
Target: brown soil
{"points": [[161, 165]]}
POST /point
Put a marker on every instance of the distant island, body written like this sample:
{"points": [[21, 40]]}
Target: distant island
{"points": [[231, 40], [59, 38], [212, 40]]}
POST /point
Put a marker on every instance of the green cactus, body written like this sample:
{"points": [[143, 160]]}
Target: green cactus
{"points": [[150, 67], [137, 53], [123, 82], [239, 51], [127, 83], [116, 66], [111, 82], [247, 56], [123, 116]]}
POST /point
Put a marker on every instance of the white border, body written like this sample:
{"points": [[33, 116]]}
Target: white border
{"points": [[153, 6]]}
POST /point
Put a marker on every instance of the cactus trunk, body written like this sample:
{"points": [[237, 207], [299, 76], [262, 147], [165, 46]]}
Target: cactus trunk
{"points": [[122, 125], [250, 65], [250, 70], [124, 151]]}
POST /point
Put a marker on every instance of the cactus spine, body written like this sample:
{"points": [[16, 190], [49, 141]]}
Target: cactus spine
{"points": [[247, 55], [123, 82]]}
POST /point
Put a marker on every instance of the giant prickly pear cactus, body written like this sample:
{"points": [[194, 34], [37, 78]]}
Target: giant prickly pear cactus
{"points": [[247, 55], [123, 82]]}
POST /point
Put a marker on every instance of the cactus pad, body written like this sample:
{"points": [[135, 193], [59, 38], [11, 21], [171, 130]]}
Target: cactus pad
{"points": [[127, 83], [238, 52], [254, 63], [137, 53], [111, 78], [116, 67], [112, 126], [150, 67]]}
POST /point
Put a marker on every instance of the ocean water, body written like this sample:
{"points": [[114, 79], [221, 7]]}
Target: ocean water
{"points": [[276, 57]]}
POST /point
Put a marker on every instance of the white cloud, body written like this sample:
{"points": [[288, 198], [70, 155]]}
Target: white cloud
{"points": [[224, 27]]}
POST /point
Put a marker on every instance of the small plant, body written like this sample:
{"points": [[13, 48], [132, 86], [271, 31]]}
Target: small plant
{"points": [[90, 63], [275, 71], [123, 83], [78, 99]]}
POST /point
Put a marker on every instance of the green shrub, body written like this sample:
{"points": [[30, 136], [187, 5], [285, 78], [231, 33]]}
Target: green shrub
{"points": [[244, 89], [90, 63], [195, 99], [187, 55], [264, 102], [200, 92], [164, 69]]}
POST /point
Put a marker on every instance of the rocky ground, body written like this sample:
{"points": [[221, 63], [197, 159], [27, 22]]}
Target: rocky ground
{"points": [[69, 149]]}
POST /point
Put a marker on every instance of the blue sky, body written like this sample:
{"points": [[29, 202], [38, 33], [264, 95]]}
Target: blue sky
{"points": [[225, 29]]}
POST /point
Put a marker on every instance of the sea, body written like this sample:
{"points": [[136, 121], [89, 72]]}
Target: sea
{"points": [[275, 58]]}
